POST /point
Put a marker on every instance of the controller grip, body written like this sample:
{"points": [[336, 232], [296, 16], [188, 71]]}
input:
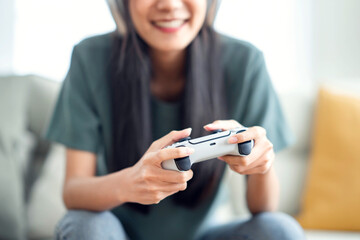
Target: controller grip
{"points": [[177, 164], [183, 164], [245, 147]]}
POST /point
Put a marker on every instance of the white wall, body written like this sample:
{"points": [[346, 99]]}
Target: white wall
{"points": [[305, 42], [279, 28], [7, 19], [47, 30], [336, 39]]}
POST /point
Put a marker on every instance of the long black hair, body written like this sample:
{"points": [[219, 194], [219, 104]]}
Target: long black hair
{"points": [[203, 101]]}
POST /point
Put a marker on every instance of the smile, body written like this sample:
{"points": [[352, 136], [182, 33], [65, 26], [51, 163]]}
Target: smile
{"points": [[170, 26]]}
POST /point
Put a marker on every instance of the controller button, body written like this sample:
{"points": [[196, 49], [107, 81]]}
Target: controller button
{"points": [[184, 139]]}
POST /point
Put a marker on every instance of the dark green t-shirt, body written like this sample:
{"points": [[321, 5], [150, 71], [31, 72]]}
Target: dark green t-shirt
{"points": [[82, 120]]}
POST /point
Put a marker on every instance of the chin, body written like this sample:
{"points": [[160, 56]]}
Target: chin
{"points": [[170, 46]]}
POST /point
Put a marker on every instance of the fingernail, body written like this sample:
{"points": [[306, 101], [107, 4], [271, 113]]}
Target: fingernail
{"points": [[189, 129], [233, 140], [209, 125]]}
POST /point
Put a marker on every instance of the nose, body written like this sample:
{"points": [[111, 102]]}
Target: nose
{"points": [[166, 5]]}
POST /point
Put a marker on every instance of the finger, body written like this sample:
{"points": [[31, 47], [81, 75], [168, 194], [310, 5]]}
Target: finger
{"points": [[169, 139], [264, 162], [169, 187], [252, 133], [266, 158], [170, 176], [261, 151], [244, 161], [172, 153], [222, 124]]}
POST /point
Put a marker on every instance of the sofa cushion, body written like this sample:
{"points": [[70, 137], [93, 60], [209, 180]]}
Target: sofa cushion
{"points": [[331, 199], [298, 107], [13, 94], [42, 94], [46, 207]]}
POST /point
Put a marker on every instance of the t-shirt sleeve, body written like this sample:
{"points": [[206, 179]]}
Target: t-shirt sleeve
{"points": [[255, 102], [74, 121]]}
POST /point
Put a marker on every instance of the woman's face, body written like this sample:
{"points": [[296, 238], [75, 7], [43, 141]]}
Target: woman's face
{"points": [[168, 25]]}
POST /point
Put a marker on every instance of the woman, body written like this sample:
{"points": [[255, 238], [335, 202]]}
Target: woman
{"points": [[165, 68]]}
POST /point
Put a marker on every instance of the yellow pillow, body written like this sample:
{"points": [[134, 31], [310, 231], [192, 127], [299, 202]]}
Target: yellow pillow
{"points": [[332, 193]]}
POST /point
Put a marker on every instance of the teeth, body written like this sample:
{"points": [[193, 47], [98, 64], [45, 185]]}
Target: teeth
{"points": [[170, 24]]}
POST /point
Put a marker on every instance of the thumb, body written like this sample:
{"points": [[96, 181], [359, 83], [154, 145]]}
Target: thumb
{"points": [[222, 124], [169, 139], [218, 124]]}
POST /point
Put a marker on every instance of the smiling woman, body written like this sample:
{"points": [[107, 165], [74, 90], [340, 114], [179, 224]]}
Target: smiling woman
{"points": [[170, 72], [165, 68]]}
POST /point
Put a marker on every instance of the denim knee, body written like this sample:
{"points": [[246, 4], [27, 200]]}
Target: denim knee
{"points": [[278, 226], [77, 224]]}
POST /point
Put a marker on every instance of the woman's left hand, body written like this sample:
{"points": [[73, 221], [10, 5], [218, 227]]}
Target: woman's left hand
{"points": [[262, 156]]}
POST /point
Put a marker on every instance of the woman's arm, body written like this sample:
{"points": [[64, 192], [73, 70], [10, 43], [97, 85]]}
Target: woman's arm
{"points": [[262, 192], [83, 190], [145, 182]]}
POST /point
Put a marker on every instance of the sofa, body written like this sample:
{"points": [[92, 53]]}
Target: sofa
{"points": [[32, 169]]}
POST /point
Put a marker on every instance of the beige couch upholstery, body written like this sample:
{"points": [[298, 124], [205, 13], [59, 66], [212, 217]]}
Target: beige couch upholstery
{"points": [[27, 208]]}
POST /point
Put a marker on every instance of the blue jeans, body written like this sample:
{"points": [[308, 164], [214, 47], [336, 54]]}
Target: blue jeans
{"points": [[104, 225]]}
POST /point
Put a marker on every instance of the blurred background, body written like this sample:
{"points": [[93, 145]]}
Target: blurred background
{"points": [[308, 46], [303, 41]]}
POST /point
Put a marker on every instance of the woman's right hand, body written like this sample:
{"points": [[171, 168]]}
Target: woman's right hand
{"points": [[147, 182]]}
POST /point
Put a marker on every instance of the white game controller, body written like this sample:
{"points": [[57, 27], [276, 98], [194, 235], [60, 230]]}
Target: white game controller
{"points": [[208, 147]]}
